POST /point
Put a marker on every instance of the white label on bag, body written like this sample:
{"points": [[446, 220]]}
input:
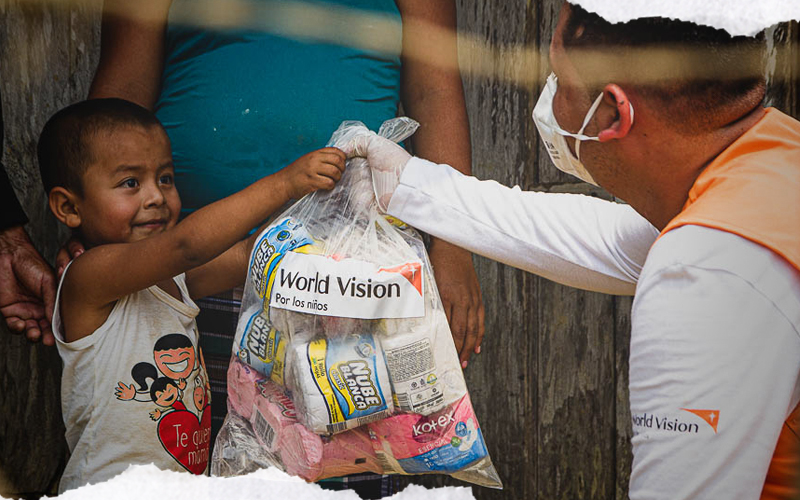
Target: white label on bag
{"points": [[348, 288]]}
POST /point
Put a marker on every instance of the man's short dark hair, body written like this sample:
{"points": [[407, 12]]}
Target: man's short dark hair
{"points": [[694, 67], [65, 144]]}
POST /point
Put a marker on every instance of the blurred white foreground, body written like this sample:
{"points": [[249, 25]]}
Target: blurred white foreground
{"points": [[147, 481]]}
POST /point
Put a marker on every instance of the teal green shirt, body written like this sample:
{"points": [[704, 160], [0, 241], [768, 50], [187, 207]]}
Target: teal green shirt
{"points": [[239, 105]]}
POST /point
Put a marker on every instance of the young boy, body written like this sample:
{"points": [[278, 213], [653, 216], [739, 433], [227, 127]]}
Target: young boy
{"points": [[134, 388]]}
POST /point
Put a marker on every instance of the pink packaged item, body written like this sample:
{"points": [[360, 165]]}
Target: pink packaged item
{"points": [[447, 441], [323, 457], [242, 388], [348, 453], [301, 452], [273, 413], [274, 422]]}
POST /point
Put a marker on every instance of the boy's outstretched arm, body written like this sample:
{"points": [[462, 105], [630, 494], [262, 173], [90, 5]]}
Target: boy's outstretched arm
{"points": [[104, 274], [222, 273]]}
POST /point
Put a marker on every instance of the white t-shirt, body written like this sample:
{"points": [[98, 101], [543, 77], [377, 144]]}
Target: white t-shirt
{"points": [[715, 335], [135, 391]]}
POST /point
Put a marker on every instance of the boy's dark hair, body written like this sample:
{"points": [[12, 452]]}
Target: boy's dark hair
{"points": [[65, 144], [681, 64]]}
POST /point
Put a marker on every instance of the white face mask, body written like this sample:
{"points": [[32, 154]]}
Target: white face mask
{"points": [[553, 135]]}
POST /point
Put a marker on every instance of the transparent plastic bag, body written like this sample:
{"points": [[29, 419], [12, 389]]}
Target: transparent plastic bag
{"points": [[344, 358]]}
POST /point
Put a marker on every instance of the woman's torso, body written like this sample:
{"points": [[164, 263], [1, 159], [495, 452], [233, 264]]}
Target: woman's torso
{"points": [[239, 105]]}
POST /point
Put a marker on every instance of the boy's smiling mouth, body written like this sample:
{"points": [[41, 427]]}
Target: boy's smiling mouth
{"points": [[152, 224]]}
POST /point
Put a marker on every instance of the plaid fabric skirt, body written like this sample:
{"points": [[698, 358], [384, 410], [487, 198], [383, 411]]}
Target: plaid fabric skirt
{"points": [[217, 326]]}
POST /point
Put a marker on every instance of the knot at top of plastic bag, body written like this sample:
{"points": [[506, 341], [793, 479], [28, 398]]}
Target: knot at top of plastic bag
{"points": [[397, 130]]}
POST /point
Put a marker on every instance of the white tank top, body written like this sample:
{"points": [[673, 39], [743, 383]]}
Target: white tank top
{"points": [[135, 391]]}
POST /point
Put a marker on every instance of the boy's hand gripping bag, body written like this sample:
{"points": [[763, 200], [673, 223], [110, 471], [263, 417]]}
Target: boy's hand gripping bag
{"points": [[344, 358]]}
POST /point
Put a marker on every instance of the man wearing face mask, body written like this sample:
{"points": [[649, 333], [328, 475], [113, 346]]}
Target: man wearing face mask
{"points": [[709, 243]]}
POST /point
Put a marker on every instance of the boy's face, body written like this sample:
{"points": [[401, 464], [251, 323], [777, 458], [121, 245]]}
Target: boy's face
{"points": [[128, 189]]}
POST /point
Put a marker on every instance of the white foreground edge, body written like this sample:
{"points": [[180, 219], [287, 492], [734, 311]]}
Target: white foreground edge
{"points": [[147, 481]]}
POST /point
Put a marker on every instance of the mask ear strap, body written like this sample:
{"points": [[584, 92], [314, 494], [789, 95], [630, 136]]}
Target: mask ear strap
{"points": [[579, 136]]}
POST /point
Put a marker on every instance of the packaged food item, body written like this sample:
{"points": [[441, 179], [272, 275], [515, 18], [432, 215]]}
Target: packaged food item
{"points": [[344, 361], [261, 345], [274, 425]]}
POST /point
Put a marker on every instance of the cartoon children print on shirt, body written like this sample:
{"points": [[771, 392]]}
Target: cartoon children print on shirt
{"points": [[183, 432], [201, 395], [174, 356]]}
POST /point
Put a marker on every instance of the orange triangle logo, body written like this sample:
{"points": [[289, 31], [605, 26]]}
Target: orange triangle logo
{"points": [[412, 271], [710, 416]]}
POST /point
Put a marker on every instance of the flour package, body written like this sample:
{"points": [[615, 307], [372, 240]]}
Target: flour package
{"points": [[343, 357]]}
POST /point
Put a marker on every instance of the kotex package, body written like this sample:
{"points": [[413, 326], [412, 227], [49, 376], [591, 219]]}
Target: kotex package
{"points": [[341, 316], [446, 441]]}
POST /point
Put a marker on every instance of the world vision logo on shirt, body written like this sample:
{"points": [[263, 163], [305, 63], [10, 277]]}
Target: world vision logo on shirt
{"points": [[682, 423], [711, 417]]}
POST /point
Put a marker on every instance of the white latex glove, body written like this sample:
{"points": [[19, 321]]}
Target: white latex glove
{"points": [[386, 160]]}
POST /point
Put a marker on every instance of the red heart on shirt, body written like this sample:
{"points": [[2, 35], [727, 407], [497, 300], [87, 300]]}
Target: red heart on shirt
{"points": [[186, 438]]}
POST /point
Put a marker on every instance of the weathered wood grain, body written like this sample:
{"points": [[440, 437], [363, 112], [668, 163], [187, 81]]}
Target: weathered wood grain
{"points": [[577, 393], [624, 430], [782, 66], [35, 43], [47, 55]]}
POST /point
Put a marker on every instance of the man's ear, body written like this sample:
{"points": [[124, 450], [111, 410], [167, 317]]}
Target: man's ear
{"points": [[623, 121], [64, 205]]}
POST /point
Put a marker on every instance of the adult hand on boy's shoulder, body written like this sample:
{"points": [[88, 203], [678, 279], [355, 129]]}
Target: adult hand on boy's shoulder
{"points": [[27, 287], [70, 250]]}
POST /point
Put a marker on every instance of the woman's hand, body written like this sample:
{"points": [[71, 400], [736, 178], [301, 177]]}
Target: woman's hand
{"points": [[461, 296]]}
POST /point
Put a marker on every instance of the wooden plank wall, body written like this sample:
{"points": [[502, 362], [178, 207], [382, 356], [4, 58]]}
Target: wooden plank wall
{"points": [[550, 387], [546, 384], [47, 57]]}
